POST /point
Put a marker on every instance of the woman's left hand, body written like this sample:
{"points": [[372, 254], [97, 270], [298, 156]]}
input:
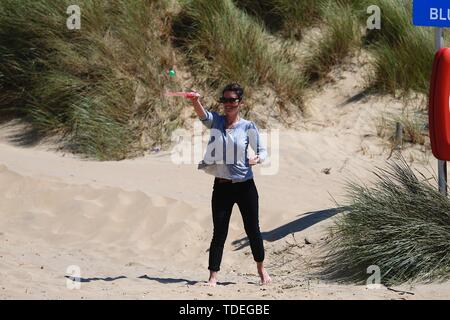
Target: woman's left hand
{"points": [[254, 161]]}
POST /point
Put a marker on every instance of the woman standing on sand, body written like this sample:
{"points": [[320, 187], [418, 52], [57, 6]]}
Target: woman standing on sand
{"points": [[233, 181]]}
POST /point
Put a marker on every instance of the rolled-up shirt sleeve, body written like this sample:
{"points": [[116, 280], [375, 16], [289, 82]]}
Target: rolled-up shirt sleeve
{"points": [[256, 143], [210, 119]]}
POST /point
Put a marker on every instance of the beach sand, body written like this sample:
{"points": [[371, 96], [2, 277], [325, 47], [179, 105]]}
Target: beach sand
{"points": [[141, 228]]}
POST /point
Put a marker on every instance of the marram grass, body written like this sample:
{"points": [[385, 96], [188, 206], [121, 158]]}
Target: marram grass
{"points": [[83, 84], [225, 44], [400, 224]]}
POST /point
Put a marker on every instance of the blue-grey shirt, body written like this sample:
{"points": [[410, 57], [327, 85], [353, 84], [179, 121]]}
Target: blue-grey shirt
{"points": [[226, 153]]}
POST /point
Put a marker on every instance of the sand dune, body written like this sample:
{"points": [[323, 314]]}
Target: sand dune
{"points": [[141, 228]]}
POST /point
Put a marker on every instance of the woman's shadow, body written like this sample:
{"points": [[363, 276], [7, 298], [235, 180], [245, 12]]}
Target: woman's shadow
{"points": [[307, 220]]}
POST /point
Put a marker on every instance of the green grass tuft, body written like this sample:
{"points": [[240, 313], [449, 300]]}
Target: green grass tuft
{"points": [[224, 44], [401, 224], [83, 84]]}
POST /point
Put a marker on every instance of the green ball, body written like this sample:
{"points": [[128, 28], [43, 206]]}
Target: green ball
{"points": [[172, 73]]}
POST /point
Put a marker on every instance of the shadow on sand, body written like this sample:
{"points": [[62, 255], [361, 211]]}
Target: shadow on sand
{"points": [[173, 280], [83, 280], [307, 220], [21, 133], [160, 280]]}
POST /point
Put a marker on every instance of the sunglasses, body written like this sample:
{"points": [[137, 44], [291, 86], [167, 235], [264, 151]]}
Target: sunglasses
{"points": [[228, 100]]}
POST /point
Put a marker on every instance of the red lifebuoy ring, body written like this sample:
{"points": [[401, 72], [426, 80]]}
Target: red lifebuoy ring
{"points": [[439, 108]]}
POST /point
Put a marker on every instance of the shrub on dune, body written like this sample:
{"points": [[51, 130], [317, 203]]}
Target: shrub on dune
{"points": [[403, 54], [83, 84], [285, 17], [401, 224], [341, 36], [225, 44]]}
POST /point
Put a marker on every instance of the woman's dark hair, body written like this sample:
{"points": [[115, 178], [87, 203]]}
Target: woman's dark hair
{"points": [[236, 87]]}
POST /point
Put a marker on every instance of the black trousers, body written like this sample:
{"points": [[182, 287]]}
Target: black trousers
{"points": [[224, 196]]}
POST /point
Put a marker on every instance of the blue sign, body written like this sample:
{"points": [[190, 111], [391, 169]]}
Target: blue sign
{"points": [[431, 13]]}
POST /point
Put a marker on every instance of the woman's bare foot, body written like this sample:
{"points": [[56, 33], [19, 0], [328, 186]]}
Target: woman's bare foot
{"points": [[212, 279], [265, 278]]}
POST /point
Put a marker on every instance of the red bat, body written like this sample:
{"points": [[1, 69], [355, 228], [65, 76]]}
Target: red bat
{"points": [[182, 94]]}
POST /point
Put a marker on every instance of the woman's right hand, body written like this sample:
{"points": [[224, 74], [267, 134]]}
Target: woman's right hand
{"points": [[194, 98]]}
